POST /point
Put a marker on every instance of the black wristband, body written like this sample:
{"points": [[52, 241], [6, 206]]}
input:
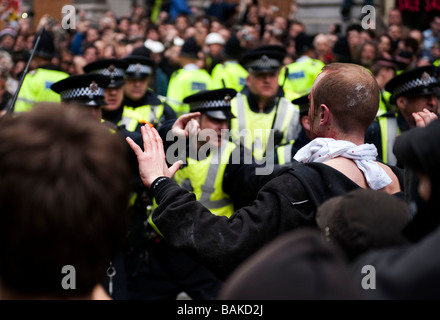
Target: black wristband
{"points": [[156, 183]]}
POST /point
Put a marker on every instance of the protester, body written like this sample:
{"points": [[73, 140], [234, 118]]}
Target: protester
{"points": [[410, 272], [338, 122], [362, 220], [300, 265], [55, 162]]}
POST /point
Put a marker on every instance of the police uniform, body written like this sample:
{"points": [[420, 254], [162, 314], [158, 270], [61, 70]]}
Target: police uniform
{"points": [[284, 153], [84, 90], [230, 73], [87, 91], [149, 108], [187, 80], [278, 123], [114, 69], [36, 84], [140, 200], [297, 78], [221, 185], [384, 130]]}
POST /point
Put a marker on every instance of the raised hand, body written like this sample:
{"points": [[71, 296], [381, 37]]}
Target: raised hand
{"points": [[180, 127], [152, 164], [423, 118]]}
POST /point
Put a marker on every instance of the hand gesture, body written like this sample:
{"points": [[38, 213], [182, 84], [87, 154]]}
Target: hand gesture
{"points": [[423, 118], [182, 127], [152, 163]]}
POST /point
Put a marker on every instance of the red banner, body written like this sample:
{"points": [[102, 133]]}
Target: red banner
{"points": [[418, 5]]}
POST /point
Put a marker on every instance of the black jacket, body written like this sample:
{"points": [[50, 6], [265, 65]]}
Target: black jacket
{"points": [[286, 202]]}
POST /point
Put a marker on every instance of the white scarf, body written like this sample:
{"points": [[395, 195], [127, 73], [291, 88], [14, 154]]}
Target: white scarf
{"points": [[364, 155]]}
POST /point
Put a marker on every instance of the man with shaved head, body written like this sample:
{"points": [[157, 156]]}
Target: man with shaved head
{"points": [[343, 101]]}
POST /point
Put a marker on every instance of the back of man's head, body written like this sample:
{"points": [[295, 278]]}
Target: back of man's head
{"points": [[350, 92], [64, 189]]}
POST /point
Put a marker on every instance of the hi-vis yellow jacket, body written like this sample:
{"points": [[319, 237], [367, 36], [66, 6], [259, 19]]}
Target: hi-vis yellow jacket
{"points": [[36, 88]]}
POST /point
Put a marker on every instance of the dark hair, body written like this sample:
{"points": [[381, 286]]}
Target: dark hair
{"points": [[64, 189]]}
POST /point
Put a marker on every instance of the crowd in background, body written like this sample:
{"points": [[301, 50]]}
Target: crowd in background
{"points": [[116, 36], [165, 35]]}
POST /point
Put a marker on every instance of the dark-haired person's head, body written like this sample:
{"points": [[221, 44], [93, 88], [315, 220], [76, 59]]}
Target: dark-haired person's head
{"points": [[64, 191]]}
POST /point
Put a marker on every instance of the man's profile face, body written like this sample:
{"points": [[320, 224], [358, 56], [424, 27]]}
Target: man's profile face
{"points": [[409, 105], [263, 84]]}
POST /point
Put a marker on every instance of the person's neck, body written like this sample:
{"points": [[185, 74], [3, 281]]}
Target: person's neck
{"points": [[262, 104], [357, 138]]}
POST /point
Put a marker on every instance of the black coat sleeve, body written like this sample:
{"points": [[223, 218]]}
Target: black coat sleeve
{"points": [[219, 243], [243, 178]]}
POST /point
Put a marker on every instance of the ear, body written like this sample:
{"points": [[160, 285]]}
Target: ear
{"points": [[305, 121], [401, 103], [324, 114], [247, 80]]}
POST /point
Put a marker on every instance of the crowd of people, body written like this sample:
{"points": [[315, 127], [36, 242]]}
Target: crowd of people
{"points": [[258, 161]]}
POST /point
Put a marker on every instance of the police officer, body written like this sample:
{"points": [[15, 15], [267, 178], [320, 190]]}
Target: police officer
{"points": [[284, 153], [298, 77], [415, 93], [189, 79], [114, 69], [384, 70], [230, 73], [264, 116], [216, 172], [221, 173], [88, 91], [141, 104], [83, 90], [36, 84]]}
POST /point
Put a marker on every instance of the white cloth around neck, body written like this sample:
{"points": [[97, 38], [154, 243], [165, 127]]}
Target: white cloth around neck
{"points": [[364, 156]]}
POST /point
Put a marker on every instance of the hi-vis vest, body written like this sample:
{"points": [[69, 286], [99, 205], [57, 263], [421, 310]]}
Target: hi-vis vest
{"points": [[384, 103], [284, 153], [36, 88], [184, 83], [261, 132], [205, 179], [300, 76], [133, 116], [229, 74], [389, 130]]}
